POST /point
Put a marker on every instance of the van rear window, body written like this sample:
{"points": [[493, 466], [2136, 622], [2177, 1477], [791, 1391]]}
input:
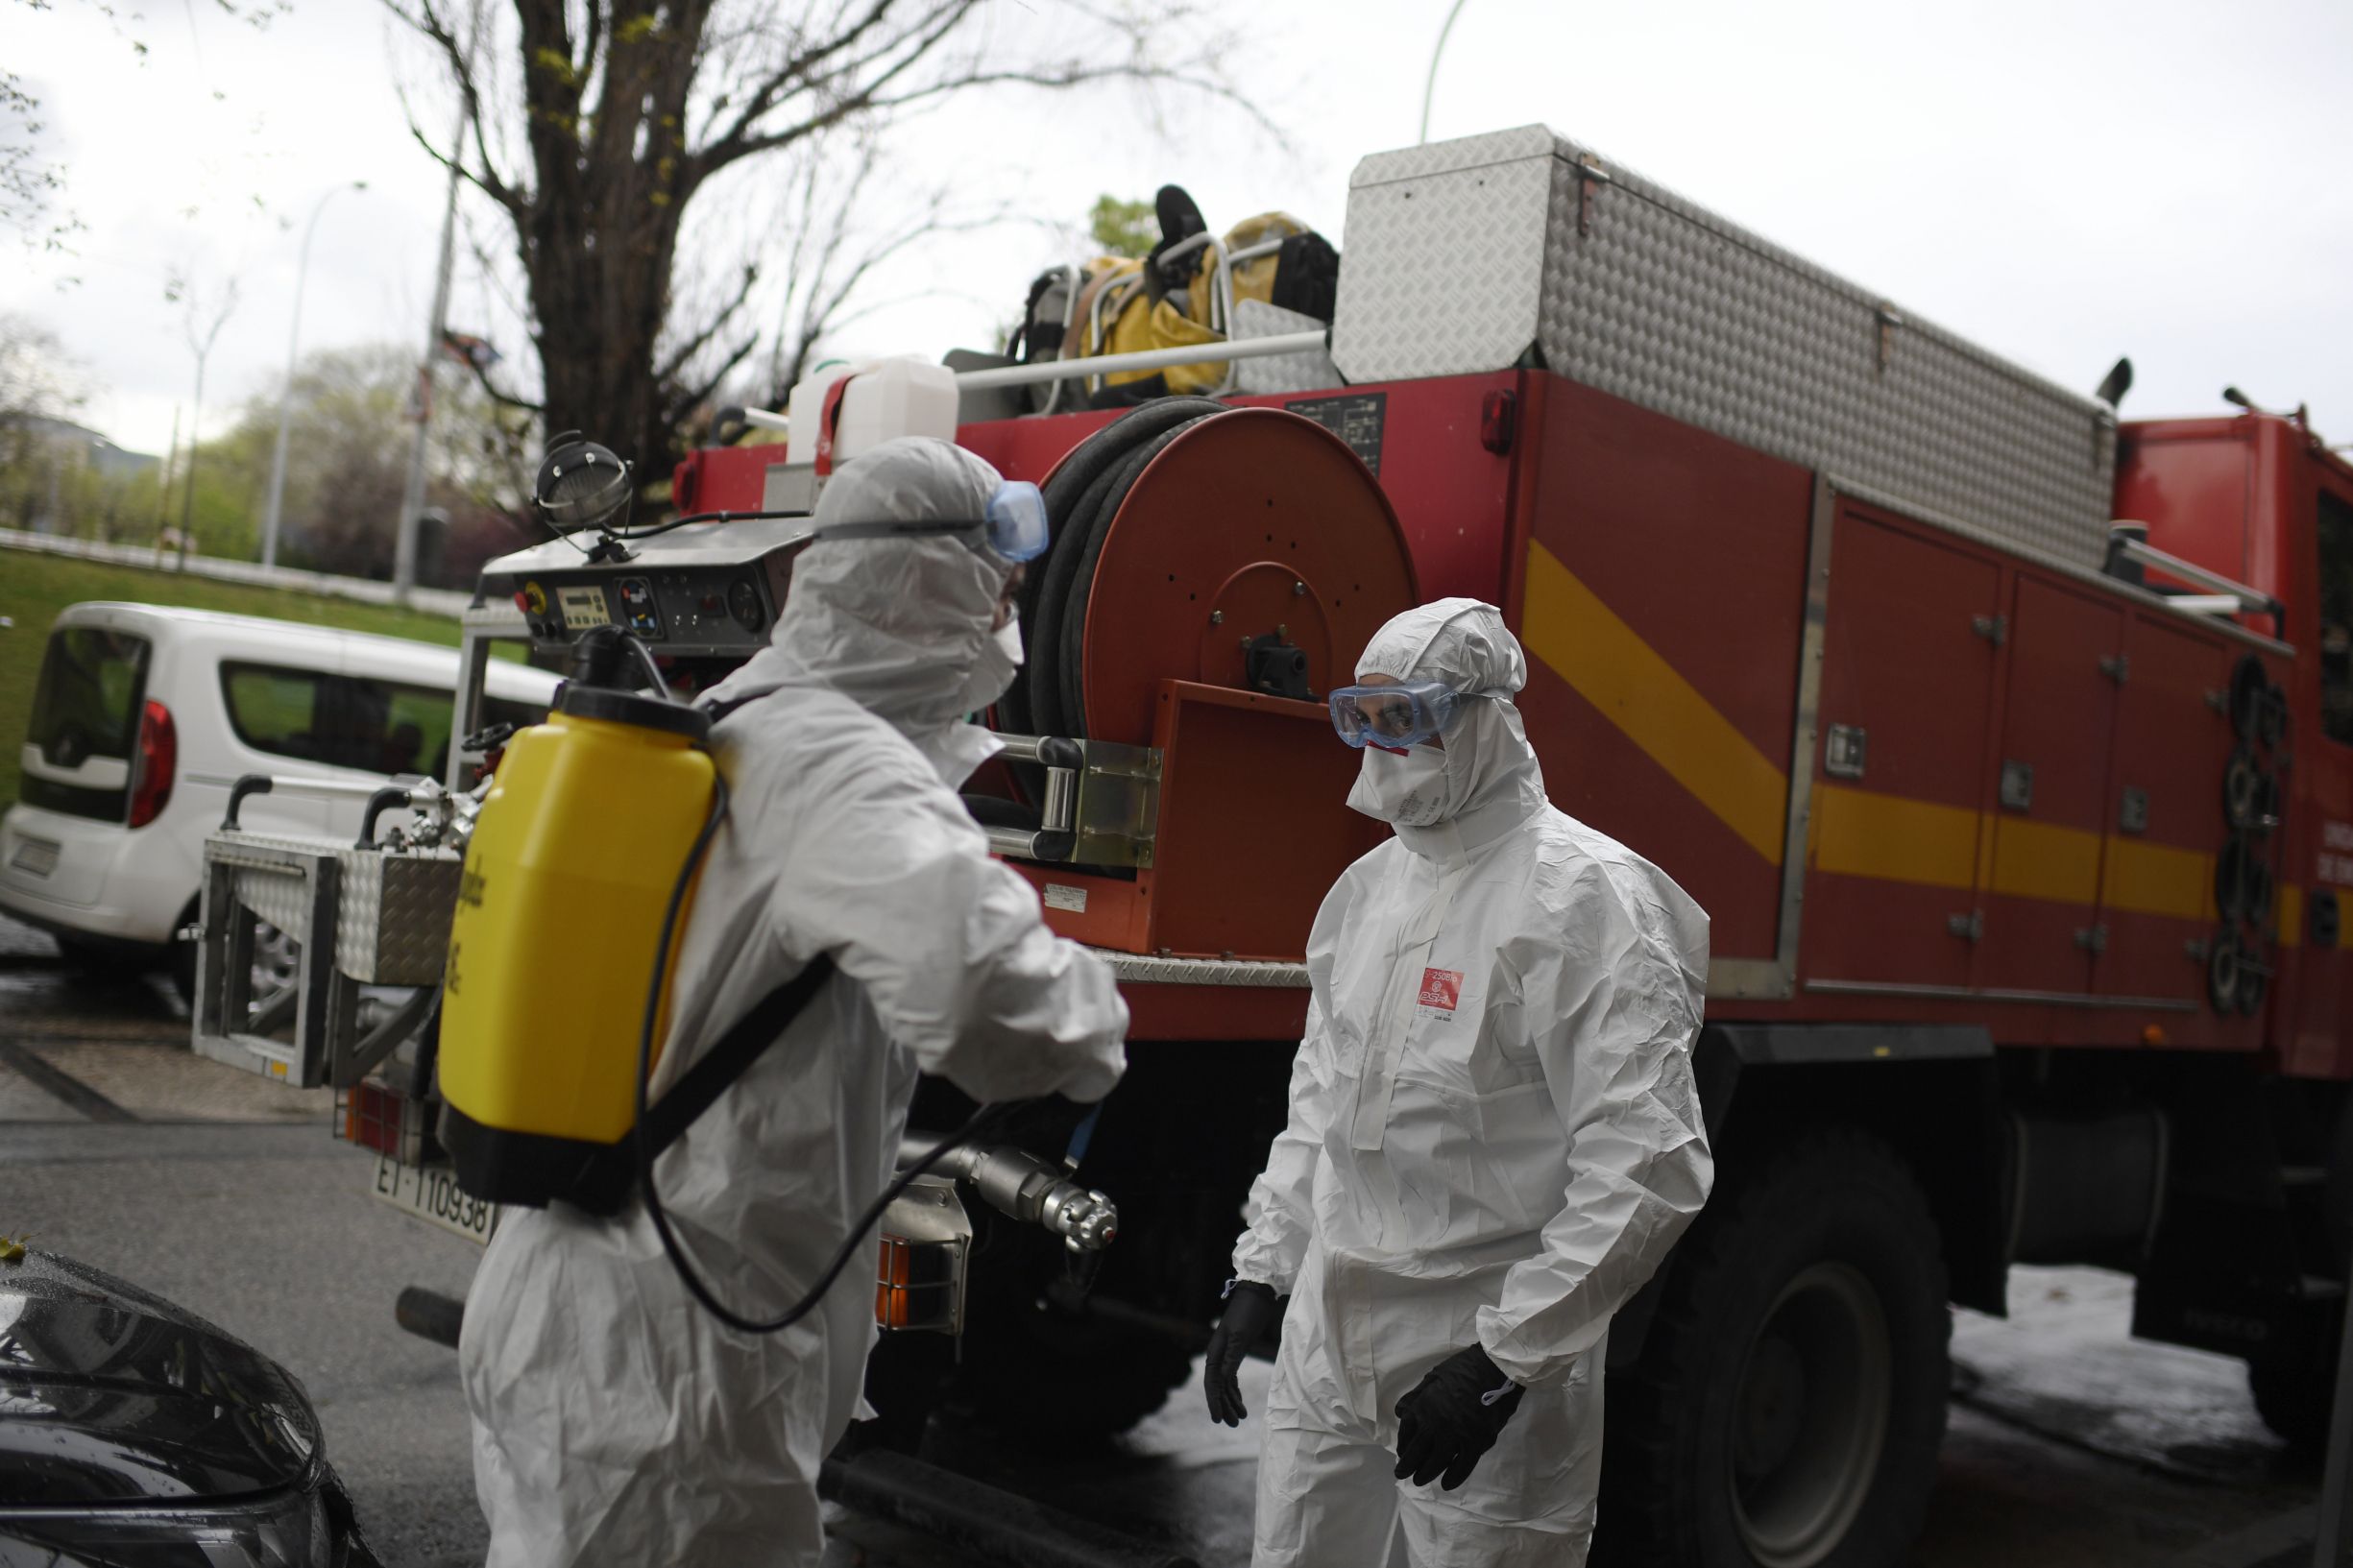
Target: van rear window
{"points": [[341, 721], [85, 705]]}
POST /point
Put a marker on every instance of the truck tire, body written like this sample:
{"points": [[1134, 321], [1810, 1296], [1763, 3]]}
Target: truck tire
{"points": [[1056, 1383], [1026, 1371], [1789, 1400], [2294, 1399]]}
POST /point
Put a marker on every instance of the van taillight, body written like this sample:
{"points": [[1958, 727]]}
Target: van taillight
{"points": [[158, 760]]}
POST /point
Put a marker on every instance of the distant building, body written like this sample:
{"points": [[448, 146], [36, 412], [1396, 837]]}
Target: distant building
{"points": [[105, 459], [41, 458]]}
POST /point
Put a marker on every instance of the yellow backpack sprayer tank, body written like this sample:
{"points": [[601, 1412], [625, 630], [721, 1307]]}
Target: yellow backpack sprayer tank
{"points": [[560, 913]]}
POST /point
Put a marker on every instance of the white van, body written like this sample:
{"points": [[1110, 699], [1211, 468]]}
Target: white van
{"points": [[144, 716]]}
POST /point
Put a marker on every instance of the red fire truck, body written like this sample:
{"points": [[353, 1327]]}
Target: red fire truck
{"points": [[2009, 748]]}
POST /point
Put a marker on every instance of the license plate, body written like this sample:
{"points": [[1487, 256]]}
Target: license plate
{"points": [[35, 857], [434, 1196]]}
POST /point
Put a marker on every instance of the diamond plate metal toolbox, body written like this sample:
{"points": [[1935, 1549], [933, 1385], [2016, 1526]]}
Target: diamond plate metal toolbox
{"points": [[287, 882], [1460, 257], [392, 914]]}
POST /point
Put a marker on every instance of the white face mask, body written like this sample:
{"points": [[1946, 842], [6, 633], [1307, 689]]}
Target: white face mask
{"points": [[1411, 789], [992, 673]]}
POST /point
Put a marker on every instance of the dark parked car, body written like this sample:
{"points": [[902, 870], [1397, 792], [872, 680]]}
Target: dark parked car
{"points": [[135, 1434]]}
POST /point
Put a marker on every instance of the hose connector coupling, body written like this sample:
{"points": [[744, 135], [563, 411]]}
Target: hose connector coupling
{"points": [[1019, 1184], [1086, 1220]]}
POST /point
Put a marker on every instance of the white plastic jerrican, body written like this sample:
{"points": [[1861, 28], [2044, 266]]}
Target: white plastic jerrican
{"points": [[807, 403], [891, 397], [885, 399]]}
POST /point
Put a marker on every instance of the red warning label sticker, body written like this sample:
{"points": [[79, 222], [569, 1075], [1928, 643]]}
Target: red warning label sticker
{"points": [[1442, 989]]}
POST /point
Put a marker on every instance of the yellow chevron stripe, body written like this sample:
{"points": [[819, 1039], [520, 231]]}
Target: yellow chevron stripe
{"points": [[2157, 879], [1582, 641], [2037, 860], [1855, 832], [1858, 833]]}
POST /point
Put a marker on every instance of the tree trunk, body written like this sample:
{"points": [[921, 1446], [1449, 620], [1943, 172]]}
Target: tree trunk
{"points": [[598, 231]]}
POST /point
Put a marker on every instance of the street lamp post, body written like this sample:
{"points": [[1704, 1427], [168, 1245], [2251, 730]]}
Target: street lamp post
{"points": [[1430, 87], [412, 491], [286, 396]]}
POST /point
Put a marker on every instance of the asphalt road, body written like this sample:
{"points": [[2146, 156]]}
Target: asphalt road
{"points": [[2070, 1444]]}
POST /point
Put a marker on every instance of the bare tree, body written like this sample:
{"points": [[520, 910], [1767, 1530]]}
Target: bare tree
{"points": [[608, 120], [839, 247], [201, 324]]}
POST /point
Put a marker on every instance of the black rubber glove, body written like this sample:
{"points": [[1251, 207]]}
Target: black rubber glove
{"points": [[1452, 1417], [1250, 1310]]}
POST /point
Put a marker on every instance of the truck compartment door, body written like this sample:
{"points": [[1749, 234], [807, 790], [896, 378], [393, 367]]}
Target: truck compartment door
{"points": [[2050, 807], [1909, 656], [2164, 815]]}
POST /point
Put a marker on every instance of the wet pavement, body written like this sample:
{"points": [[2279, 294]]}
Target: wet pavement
{"points": [[2070, 1444]]}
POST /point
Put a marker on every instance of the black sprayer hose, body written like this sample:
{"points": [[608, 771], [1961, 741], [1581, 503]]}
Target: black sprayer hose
{"points": [[981, 1119]]}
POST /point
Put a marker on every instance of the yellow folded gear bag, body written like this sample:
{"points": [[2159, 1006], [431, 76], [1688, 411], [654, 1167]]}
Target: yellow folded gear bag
{"points": [[1172, 322], [1276, 258]]}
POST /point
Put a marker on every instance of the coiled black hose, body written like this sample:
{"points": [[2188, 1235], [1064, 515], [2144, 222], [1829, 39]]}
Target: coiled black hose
{"points": [[1081, 498]]}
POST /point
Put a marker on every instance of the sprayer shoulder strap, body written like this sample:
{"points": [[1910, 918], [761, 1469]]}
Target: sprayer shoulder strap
{"points": [[732, 1054]]}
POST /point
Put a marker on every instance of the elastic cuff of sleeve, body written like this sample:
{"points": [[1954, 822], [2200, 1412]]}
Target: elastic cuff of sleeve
{"points": [[1514, 1369]]}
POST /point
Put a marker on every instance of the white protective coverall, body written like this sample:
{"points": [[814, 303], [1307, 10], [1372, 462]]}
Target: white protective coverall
{"points": [[1493, 1135], [615, 1421]]}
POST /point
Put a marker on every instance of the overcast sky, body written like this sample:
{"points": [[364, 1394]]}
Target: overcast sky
{"points": [[2061, 181]]}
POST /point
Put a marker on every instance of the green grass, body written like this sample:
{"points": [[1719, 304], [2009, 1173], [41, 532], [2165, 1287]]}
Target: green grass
{"points": [[35, 588]]}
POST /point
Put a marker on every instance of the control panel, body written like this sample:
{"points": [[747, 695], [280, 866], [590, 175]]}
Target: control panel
{"points": [[685, 610], [705, 591]]}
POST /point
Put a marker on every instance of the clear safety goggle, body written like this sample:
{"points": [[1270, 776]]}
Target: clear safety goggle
{"points": [[1396, 718], [1012, 525]]}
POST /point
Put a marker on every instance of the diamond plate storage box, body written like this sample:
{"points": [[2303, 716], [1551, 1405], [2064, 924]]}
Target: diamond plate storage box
{"points": [[392, 915], [357, 917], [1463, 256]]}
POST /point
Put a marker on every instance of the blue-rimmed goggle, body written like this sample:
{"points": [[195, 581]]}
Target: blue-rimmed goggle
{"points": [[1393, 717], [1012, 526]]}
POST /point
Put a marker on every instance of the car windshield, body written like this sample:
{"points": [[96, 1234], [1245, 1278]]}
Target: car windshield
{"points": [[88, 702]]}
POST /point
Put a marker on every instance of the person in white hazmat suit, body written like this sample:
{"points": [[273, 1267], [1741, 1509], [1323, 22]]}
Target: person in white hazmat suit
{"points": [[615, 1420], [1493, 1138]]}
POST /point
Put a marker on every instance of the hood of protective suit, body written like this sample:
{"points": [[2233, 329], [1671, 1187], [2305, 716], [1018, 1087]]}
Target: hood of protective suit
{"points": [[899, 626], [1444, 802]]}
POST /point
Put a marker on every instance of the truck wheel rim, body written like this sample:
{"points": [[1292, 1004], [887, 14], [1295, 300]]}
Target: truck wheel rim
{"points": [[277, 958], [1809, 1416]]}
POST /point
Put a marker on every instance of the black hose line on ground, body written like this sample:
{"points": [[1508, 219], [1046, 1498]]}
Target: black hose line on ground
{"points": [[1081, 498]]}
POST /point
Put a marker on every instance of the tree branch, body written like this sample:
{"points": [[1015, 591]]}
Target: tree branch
{"points": [[685, 403], [794, 73], [714, 159], [505, 400], [720, 318], [918, 41], [490, 187], [428, 22]]}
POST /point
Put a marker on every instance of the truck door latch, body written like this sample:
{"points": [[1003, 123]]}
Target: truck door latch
{"points": [[1995, 629], [1969, 927]]}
